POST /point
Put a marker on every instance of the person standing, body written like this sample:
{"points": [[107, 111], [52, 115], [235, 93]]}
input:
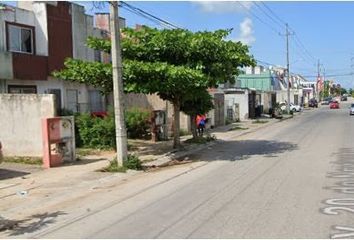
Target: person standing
{"points": [[201, 121]]}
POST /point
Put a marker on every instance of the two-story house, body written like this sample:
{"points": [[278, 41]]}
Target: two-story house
{"points": [[35, 40]]}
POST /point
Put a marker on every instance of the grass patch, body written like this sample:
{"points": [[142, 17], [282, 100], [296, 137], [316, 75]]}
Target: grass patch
{"points": [[183, 132], [24, 160], [132, 162], [82, 152], [259, 121], [113, 167], [237, 128], [87, 151], [201, 140]]}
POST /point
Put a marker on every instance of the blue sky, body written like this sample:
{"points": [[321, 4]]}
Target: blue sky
{"points": [[323, 28]]}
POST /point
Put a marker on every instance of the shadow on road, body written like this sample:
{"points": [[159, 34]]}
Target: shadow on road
{"points": [[28, 225], [7, 173], [244, 149]]}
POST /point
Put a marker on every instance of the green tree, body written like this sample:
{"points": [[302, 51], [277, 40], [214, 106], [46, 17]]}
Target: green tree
{"points": [[343, 91], [170, 63]]}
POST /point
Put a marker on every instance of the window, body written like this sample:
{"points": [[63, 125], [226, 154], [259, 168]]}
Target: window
{"points": [[20, 39], [22, 89]]}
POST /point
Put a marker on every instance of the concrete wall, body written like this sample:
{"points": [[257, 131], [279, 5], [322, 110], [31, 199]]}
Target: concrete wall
{"points": [[266, 98], [282, 95], [43, 87], [20, 122], [82, 27], [240, 98], [6, 71]]}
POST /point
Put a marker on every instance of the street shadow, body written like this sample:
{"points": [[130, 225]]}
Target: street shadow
{"points": [[242, 150], [28, 225], [7, 173]]}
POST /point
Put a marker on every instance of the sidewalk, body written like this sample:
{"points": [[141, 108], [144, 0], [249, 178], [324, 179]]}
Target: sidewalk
{"points": [[30, 189]]}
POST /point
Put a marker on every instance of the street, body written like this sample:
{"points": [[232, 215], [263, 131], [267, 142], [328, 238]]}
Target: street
{"points": [[283, 181]]}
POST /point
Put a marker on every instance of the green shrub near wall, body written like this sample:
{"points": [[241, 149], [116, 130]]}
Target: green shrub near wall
{"points": [[137, 121], [95, 132]]}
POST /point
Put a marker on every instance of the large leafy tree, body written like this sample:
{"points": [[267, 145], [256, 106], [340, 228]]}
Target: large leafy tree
{"points": [[171, 63]]}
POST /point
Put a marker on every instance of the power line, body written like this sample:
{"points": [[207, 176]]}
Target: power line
{"points": [[259, 19], [148, 15], [303, 47], [297, 39], [157, 23], [275, 15], [268, 15]]}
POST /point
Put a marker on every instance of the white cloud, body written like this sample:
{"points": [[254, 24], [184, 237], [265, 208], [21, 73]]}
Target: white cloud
{"points": [[246, 32], [224, 6]]}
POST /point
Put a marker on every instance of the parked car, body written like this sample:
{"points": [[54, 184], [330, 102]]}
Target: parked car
{"points": [[351, 109], [293, 107], [313, 103], [326, 101], [334, 105], [344, 98]]}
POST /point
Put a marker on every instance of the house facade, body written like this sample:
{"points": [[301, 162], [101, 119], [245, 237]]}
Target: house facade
{"points": [[35, 40], [257, 91]]}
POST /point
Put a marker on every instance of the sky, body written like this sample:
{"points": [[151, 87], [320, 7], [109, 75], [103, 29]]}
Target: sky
{"points": [[319, 30]]}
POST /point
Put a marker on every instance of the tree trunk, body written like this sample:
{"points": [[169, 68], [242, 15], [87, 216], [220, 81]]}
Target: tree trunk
{"points": [[193, 125], [176, 140]]}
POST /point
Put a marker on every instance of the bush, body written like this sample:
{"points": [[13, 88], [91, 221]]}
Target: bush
{"points": [[137, 121], [96, 132], [133, 162]]}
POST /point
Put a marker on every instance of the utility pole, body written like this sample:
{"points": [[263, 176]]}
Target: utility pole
{"points": [[121, 132], [288, 66]]}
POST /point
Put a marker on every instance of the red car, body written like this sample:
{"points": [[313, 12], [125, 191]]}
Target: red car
{"points": [[334, 105]]}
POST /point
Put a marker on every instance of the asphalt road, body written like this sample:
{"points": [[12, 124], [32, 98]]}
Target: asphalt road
{"points": [[293, 179]]}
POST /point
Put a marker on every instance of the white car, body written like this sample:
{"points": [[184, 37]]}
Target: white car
{"points": [[351, 109], [293, 107]]}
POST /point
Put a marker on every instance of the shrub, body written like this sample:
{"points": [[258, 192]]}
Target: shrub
{"points": [[137, 122], [96, 132], [113, 167], [132, 162]]}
